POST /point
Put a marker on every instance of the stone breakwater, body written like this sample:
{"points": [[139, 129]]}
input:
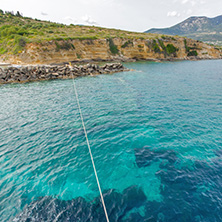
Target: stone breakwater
{"points": [[48, 72]]}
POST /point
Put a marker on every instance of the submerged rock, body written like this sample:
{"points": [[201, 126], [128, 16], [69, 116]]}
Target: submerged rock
{"points": [[53, 209], [189, 192], [145, 156]]}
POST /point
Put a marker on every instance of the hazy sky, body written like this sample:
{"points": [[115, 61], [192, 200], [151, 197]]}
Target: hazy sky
{"points": [[133, 15]]}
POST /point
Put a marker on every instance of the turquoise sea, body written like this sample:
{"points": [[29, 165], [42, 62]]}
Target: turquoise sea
{"points": [[155, 134]]}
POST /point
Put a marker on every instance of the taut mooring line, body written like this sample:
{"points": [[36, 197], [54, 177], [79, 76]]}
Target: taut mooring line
{"points": [[84, 128]]}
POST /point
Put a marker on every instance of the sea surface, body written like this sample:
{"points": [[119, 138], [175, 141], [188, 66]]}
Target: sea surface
{"points": [[155, 134]]}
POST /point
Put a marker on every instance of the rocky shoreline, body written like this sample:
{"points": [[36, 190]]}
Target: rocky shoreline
{"points": [[48, 72]]}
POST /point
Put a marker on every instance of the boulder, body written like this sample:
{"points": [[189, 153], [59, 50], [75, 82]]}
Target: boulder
{"points": [[28, 73]]}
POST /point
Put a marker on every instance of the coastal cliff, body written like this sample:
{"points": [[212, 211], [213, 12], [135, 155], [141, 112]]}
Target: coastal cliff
{"points": [[25, 40], [113, 49]]}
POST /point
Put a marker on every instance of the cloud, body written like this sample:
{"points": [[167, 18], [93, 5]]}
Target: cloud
{"points": [[70, 19], [184, 1], [189, 11], [87, 19], [173, 14], [44, 14], [193, 2], [202, 2]]}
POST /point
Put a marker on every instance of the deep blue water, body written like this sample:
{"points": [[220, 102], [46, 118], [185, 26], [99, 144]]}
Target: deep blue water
{"points": [[155, 135]]}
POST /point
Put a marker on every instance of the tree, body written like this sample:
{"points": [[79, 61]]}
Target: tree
{"points": [[18, 14]]}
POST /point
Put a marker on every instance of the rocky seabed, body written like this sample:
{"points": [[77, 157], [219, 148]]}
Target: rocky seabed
{"points": [[35, 73]]}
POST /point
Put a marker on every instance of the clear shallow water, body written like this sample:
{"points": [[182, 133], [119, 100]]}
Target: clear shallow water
{"points": [[155, 135]]}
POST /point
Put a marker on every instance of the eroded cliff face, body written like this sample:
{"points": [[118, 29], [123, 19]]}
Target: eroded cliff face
{"points": [[113, 49]]}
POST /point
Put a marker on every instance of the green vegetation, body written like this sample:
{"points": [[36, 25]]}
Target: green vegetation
{"points": [[168, 37], [170, 49], [162, 44], [163, 36], [186, 47], [155, 47], [78, 56], [64, 45], [127, 44], [113, 48], [192, 53], [20, 43], [16, 31]]}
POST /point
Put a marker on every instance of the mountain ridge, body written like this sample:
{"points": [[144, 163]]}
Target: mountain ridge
{"points": [[200, 28]]}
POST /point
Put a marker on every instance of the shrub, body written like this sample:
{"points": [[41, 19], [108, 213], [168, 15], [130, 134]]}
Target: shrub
{"points": [[171, 49], [113, 48], [22, 31], [85, 38], [162, 44], [192, 53], [155, 47], [64, 45], [3, 50], [163, 36], [18, 14], [127, 43], [20, 43], [186, 47]]}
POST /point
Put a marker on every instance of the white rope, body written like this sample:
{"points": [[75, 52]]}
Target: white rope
{"points": [[83, 125]]}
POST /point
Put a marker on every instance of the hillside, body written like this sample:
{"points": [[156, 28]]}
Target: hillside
{"points": [[200, 28], [25, 40], [16, 30]]}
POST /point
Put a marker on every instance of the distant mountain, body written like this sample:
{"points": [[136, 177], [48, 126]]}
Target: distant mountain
{"points": [[199, 28]]}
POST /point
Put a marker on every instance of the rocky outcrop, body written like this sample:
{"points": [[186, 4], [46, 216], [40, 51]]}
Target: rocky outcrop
{"points": [[116, 49], [48, 72]]}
